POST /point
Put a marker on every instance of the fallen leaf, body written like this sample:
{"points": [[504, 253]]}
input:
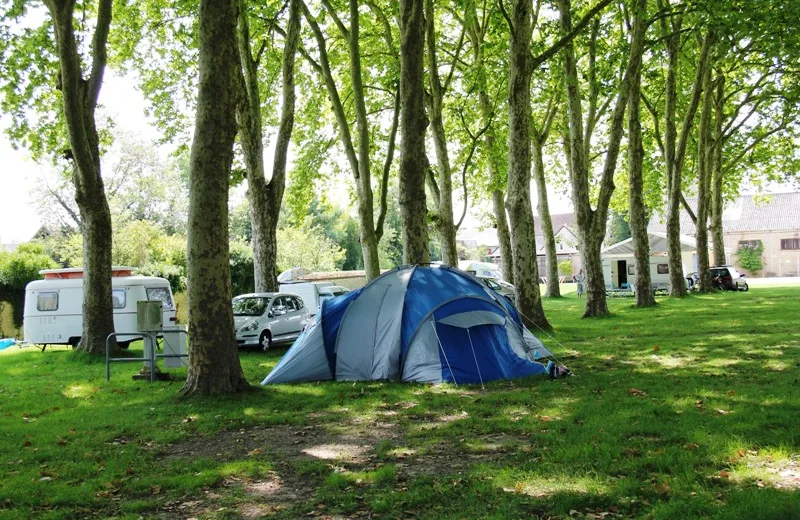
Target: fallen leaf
{"points": [[189, 419], [255, 452], [698, 403], [731, 392], [692, 446], [655, 348], [723, 412], [545, 418], [637, 392], [662, 487], [724, 474]]}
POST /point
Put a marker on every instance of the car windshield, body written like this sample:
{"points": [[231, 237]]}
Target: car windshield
{"points": [[250, 306]]}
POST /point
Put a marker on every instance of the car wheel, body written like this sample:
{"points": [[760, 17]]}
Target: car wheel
{"points": [[745, 288], [265, 340]]}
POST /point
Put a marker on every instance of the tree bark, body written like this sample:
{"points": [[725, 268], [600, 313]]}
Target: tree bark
{"points": [[445, 225], [717, 195], [637, 212], [413, 122], [214, 366], [518, 197], [705, 152], [79, 103], [265, 198]]}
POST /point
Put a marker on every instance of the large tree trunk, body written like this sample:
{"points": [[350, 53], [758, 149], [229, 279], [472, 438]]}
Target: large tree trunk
{"points": [[413, 122], [79, 101], [214, 366], [717, 196], [518, 198], [636, 213], [553, 289], [445, 226], [265, 198], [705, 147]]}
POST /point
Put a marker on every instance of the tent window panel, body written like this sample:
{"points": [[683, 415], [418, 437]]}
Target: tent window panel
{"points": [[631, 270], [662, 268], [47, 301]]}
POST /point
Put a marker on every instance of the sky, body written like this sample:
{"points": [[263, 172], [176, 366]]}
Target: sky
{"points": [[19, 219]]}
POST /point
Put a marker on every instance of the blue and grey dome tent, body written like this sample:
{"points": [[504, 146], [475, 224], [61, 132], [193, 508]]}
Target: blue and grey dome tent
{"points": [[423, 324]]}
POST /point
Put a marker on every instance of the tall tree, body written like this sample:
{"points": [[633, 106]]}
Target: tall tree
{"points": [[705, 146], [676, 37], [214, 366], [518, 197], [637, 211], [265, 197], [478, 31], [441, 190], [540, 136], [356, 151], [592, 222], [79, 96], [413, 122]]}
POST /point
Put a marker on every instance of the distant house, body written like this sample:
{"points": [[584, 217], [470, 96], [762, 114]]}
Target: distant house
{"points": [[770, 220], [566, 242]]}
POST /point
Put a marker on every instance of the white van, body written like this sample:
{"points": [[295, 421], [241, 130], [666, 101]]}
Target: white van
{"points": [[313, 293], [53, 312]]}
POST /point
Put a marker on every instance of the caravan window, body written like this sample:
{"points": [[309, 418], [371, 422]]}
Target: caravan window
{"points": [[631, 270], [47, 301], [662, 268], [160, 294], [118, 297]]}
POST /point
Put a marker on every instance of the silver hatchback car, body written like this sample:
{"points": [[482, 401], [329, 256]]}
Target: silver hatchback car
{"points": [[264, 319]]}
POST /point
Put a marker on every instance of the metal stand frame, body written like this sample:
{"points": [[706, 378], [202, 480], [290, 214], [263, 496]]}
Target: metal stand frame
{"points": [[147, 336]]}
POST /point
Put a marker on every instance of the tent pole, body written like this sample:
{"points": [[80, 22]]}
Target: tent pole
{"points": [[433, 324], [480, 377]]}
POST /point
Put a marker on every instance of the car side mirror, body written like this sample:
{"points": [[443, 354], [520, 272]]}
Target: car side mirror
{"points": [[270, 314]]}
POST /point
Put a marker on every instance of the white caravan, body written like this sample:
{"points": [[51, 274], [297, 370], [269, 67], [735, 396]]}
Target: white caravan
{"points": [[53, 312], [313, 293], [619, 266]]}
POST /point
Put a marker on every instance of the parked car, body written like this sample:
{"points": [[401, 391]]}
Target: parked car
{"points": [[265, 319], [728, 278], [499, 286]]}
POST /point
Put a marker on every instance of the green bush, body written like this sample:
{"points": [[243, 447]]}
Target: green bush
{"points": [[751, 258], [242, 273], [565, 267], [22, 266]]}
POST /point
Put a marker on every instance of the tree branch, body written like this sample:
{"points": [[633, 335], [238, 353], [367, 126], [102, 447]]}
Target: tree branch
{"points": [[387, 166], [99, 52], [328, 7], [553, 50]]}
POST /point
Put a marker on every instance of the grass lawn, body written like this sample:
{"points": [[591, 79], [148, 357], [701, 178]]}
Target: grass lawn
{"points": [[685, 411]]}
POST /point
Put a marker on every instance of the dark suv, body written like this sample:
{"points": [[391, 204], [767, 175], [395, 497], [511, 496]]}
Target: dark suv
{"points": [[728, 278]]}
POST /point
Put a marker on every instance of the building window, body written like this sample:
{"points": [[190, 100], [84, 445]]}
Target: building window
{"points": [[631, 270], [790, 243], [47, 301], [662, 268], [750, 244]]}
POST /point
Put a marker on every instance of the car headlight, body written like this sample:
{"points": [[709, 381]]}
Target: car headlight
{"points": [[253, 325]]}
